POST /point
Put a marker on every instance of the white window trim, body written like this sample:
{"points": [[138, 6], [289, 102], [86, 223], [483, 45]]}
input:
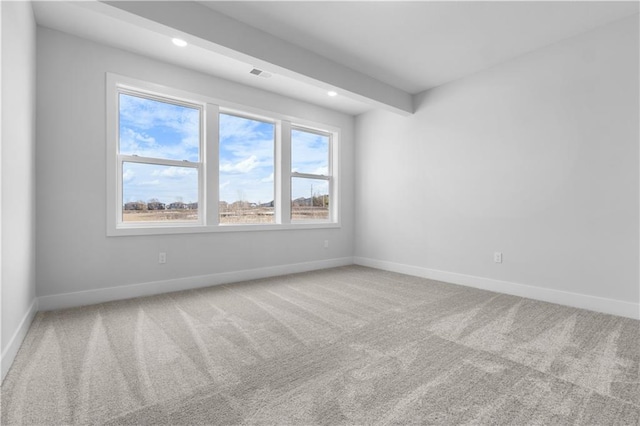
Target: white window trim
{"points": [[209, 164], [199, 165], [329, 178]]}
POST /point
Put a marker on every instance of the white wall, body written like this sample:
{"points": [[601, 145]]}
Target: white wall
{"points": [[73, 252], [537, 158], [17, 176]]}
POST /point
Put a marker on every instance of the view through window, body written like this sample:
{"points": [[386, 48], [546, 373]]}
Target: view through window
{"points": [[246, 170], [159, 149], [182, 163], [310, 177]]}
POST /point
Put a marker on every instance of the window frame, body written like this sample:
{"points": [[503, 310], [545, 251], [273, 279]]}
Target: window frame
{"points": [[208, 172], [328, 177], [254, 117], [137, 159]]}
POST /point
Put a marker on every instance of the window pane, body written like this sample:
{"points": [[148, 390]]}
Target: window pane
{"points": [[154, 193], [150, 128], [309, 153], [246, 170], [309, 199]]}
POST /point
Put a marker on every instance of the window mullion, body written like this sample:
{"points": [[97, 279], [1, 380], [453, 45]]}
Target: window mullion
{"points": [[212, 166], [334, 204], [119, 190], [283, 173]]}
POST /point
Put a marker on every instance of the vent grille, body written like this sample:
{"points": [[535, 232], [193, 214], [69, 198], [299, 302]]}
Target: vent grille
{"points": [[260, 73]]}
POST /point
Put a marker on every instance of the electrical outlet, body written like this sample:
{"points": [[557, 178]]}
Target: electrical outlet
{"points": [[326, 244], [497, 257], [162, 257]]}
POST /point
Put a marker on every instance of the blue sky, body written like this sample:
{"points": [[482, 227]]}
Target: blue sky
{"points": [[309, 154], [161, 130], [155, 129], [246, 159]]}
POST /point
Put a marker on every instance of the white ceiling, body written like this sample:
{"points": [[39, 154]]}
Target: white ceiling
{"points": [[91, 21], [405, 46], [415, 46]]}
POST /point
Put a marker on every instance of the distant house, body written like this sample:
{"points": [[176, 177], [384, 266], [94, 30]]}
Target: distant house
{"points": [[135, 205], [178, 205], [155, 205], [192, 206]]}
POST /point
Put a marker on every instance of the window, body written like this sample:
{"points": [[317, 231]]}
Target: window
{"points": [[158, 159], [310, 176], [182, 162], [247, 167]]}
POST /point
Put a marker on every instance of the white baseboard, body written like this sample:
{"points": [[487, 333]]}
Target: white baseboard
{"points": [[10, 352], [576, 300], [91, 297]]}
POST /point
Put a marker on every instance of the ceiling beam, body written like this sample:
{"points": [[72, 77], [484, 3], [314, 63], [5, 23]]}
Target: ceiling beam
{"points": [[223, 34]]}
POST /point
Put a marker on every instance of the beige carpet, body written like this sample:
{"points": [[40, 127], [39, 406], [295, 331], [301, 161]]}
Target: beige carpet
{"points": [[350, 345]]}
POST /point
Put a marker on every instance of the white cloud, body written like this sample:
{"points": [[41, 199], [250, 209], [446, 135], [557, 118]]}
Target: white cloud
{"points": [[157, 129], [148, 183], [324, 170], [267, 179], [128, 175], [132, 136], [174, 172], [239, 128], [244, 166], [225, 184]]}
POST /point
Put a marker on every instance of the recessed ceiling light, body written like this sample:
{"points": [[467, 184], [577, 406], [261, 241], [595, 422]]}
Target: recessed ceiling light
{"points": [[179, 42], [332, 93]]}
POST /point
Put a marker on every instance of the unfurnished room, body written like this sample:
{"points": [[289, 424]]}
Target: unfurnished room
{"points": [[320, 213]]}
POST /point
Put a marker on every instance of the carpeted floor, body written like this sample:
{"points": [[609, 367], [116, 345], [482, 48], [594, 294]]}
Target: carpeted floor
{"points": [[349, 345]]}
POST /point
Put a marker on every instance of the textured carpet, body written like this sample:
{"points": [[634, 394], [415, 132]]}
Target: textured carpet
{"points": [[349, 345]]}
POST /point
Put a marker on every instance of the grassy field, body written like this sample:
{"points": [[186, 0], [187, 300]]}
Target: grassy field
{"points": [[252, 215], [159, 215]]}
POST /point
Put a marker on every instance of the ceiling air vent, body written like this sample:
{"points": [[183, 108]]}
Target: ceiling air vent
{"points": [[260, 73]]}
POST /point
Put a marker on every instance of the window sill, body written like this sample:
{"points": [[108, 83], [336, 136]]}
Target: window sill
{"points": [[200, 229]]}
